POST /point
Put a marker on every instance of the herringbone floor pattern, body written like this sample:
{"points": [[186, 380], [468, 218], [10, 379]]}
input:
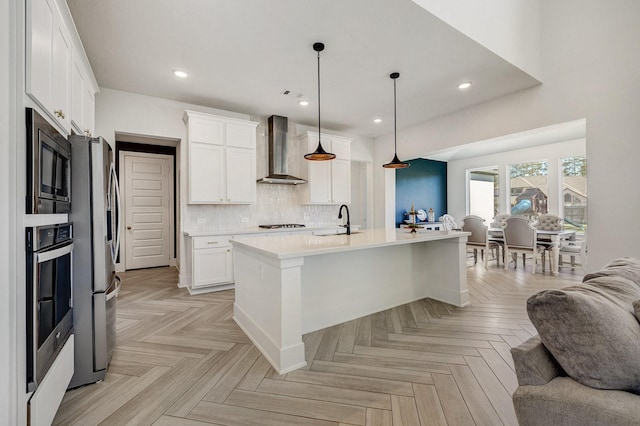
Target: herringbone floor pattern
{"points": [[181, 360]]}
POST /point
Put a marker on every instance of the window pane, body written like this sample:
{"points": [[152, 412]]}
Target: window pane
{"points": [[484, 193], [574, 190], [529, 188]]}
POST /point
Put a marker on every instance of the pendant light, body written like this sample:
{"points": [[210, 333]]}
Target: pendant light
{"points": [[319, 154], [395, 163]]}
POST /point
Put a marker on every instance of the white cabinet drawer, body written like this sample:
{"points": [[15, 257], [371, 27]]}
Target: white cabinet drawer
{"points": [[210, 242]]}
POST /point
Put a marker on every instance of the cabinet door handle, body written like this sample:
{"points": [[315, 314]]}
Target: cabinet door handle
{"points": [[129, 228], [212, 242]]}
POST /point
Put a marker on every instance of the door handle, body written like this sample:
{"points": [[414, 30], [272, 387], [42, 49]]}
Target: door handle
{"points": [[128, 228]]}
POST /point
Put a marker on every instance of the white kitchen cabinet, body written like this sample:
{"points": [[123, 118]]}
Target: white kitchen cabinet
{"points": [[222, 159], [48, 60], [210, 263], [58, 76], [328, 182], [82, 97]]}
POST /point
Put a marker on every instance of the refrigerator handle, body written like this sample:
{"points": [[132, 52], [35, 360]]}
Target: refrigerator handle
{"points": [[114, 177], [116, 291]]}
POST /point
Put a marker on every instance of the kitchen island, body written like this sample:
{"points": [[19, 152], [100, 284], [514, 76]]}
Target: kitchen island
{"points": [[287, 286]]}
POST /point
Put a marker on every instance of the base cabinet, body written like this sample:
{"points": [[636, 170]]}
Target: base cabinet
{"points": [[212, 266]]}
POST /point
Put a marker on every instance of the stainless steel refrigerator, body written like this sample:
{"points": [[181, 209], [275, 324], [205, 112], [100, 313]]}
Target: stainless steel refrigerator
{"points": [[95, 213]]}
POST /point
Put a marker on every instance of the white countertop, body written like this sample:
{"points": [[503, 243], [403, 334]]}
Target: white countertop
{"points": [[300, 245], [249, 231]]}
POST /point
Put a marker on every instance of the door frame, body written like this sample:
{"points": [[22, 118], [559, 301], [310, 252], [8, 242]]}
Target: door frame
{"points": [[147, 151]]}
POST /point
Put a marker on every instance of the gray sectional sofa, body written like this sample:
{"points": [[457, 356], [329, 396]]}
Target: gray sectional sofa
{"points": [[583, 367]]}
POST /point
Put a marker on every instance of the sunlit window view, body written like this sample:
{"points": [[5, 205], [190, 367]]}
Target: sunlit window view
{"points": [[484, 193], [529, 187], [574, 192]]}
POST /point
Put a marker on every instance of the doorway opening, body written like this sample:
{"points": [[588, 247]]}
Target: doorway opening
{"points": [[147, 174]]}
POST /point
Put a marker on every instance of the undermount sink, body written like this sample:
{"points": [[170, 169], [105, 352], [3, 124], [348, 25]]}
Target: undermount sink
{"points": [[338, 232]]}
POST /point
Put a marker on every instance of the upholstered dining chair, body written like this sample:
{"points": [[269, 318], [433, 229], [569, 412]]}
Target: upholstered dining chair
{"points": [[548, 222], [575, 249], [499, 220], [520, 237], [479, 239], [448, 222]]}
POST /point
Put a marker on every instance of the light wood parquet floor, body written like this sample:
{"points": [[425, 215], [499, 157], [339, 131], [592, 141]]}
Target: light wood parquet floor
{"points": [[181, 360]]}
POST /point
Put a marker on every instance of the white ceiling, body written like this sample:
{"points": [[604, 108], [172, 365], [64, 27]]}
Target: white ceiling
{"points": [[241, 54]]}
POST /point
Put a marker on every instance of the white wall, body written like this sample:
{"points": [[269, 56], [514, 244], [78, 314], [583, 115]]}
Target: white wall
{"points": [[509, 28], [590, 62], [8, 261]]}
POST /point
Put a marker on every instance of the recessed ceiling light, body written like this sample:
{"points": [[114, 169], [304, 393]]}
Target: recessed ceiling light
{"points": [[464, 85], [180, 74], [377, 120], [303, 103]]}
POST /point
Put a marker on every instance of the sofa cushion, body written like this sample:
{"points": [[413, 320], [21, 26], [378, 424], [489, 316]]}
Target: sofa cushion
{"points": [[627, 267], [592, 332]]}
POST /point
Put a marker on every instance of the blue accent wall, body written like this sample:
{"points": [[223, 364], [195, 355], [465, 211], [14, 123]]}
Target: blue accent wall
{"points": [[423, 184]]}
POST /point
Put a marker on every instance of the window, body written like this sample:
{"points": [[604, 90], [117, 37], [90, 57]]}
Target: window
{"points": [[529, 188], [574, 191], [484, 192]]}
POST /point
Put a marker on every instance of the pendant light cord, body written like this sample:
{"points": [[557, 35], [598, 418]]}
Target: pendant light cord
{"points": [[395, 120], [319, 97]]}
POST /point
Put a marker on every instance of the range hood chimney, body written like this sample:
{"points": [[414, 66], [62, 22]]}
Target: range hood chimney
{"points": [[277, 137]]}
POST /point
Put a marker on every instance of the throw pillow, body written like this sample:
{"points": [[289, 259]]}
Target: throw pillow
{"points": [[592, 332], [627, 267]]}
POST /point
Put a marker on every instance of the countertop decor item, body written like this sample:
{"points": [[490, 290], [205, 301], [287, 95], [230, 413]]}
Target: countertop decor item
{"points": [[319, 154], [395, 163]]}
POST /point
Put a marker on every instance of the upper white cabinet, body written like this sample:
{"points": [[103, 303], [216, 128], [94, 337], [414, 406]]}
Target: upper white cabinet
{"points": [[329, 182], [82, 98], [58, 76], [222, 159]]}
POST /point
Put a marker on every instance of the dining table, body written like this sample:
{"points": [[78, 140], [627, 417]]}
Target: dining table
{"points": [[552, 238]]}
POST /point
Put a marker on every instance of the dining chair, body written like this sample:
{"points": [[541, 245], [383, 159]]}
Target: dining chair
{"points": [[520, 237], [479, 238], [448, 222], [573, 249], [548, 222], [499, 220]]}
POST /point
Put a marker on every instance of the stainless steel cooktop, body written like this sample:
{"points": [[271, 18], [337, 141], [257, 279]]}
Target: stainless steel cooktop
{"points": [[282, 225]]}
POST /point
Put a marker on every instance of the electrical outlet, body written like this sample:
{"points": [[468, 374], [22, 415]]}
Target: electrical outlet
{"points": [[244, 220], [201, 220]]}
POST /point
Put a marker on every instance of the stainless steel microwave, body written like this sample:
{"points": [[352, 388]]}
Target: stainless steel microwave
{"points": [[48, 167]]}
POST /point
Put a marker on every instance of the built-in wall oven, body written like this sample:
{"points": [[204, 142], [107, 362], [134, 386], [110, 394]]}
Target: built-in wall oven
{"points": [[48, 167], [49, 296]]}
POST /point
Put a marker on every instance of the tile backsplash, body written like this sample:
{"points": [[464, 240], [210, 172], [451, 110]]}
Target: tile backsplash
{"points": [[274, 204]]}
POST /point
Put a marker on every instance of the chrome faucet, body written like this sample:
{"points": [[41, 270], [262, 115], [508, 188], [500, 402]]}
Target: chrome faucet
{"points": [[348, 225]]}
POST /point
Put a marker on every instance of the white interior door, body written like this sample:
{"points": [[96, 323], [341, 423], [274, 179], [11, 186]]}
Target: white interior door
{"points": [[148, 208]]}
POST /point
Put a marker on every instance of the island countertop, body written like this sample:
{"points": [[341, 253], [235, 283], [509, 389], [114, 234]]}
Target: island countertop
{"points": [[302, 245]]}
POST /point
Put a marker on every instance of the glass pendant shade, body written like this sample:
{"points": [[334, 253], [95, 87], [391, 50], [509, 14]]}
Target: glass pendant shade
{"points": [[395, 163], [319, 154]]}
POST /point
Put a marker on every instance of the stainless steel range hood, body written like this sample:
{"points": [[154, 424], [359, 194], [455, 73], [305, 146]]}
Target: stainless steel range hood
{"points": [[278, 169]]}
